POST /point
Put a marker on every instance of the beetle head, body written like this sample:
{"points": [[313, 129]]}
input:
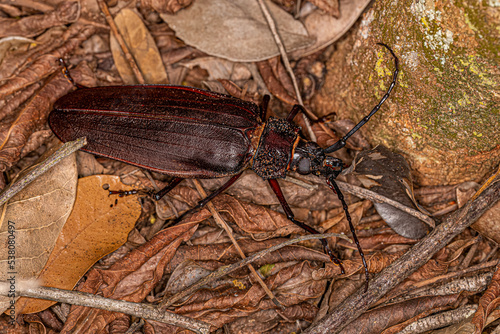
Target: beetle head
{"points": [[309, 158]]}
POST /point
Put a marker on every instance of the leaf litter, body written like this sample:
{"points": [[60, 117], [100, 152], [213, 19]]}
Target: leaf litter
{"points": [[158, 259]]}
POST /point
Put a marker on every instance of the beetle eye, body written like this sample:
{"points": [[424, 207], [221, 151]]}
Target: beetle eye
{"points": [[304, 166]]}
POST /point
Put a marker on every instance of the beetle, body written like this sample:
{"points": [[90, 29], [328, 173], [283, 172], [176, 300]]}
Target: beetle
{"points": [[187, 132]]}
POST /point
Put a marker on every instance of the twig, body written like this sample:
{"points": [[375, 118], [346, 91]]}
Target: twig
{"points": [[352, 307], [225, 270], [121, 41], [373, 196], [440, 320], [42, 167], [145, 311], [439, 280], [286, 62], [224, 226]]}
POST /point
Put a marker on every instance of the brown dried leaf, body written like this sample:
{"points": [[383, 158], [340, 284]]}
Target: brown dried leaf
{"points": [[324, 136], [375, 321], [131, 279], [224, 253], [16, 128], [488, 225], [185, 274], [9, 44], [236, 29], [339, 223], [258, 322], [378, 242], [259, 222], [25, 73], [292, 285], [269, 70], [487, 303], [218, 68], [33, 25], [142, 47], [88, 165], [432, 195], [36, 216], [97, 226], [388, 174], [431, 269], [252, 188], [376, 262], [465, 191]]}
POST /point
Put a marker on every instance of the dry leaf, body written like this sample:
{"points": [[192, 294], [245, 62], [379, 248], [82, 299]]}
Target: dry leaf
{"points": [[314, 195], [12, 43], [35, 217], [326, 29], [165, 6], [331, 7], [142, 47], [214, 255], [377, 320], [131, 278], [220, 68], [33, 25], [97, 226], [388, 174], [236, 29], [293, 286], [259, 222], [487, 303], [276, 80], [18, 126]]}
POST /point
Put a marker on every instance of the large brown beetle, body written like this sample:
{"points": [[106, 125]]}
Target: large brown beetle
{"points": [[191, 133]]}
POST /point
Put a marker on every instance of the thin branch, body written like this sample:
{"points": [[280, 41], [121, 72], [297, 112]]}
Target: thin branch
{"points": [[123, 45], [440, 320], [286, 62], [229, 232], [42, 167], [375, 197], [145, 311]]}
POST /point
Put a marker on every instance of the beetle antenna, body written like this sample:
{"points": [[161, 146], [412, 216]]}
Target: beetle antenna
{"points": [[341, 143], [333, 185]]}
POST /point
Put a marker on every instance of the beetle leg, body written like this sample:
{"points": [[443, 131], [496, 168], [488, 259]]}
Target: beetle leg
{"points": [[333, 185], [157, 196], [207, 199], [295, 110], [167, 189], [289, 214], [263, 107], [214, 194]]}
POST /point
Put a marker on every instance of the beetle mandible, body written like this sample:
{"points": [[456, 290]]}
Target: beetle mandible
{"points": [[191, 133]]}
